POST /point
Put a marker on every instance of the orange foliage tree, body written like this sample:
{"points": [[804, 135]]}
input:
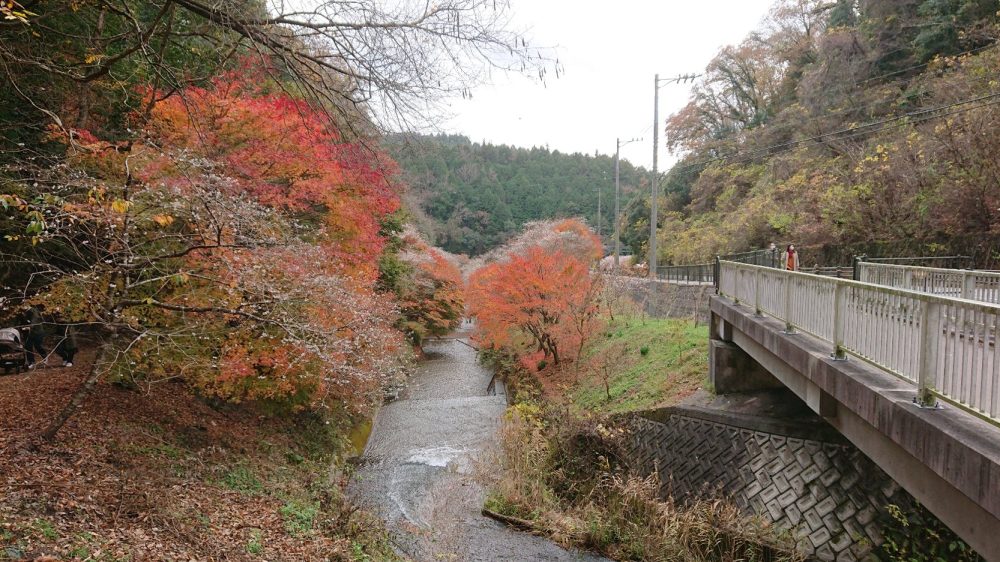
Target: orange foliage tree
{"points": [[281, 153], [432, 292], [542, 301], [233, 243]]}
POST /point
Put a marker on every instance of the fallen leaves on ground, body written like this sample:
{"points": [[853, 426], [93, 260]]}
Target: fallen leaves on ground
{"points": [[157, 474]]}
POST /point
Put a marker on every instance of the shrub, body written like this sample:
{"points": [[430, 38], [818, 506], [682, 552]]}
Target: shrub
{"points": [[915, 535]]}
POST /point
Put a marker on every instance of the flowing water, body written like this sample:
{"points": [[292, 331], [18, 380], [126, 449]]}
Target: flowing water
{"points": [[416, 470]]}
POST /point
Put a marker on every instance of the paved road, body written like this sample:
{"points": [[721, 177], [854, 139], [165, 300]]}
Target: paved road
{"points": [[416, 471]]}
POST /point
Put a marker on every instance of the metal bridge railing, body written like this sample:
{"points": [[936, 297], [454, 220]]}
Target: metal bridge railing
{"points": [[830, 271], [944, 346], [949, 262], [983, 286], [766, 258], [708, 272], [695, 274]]}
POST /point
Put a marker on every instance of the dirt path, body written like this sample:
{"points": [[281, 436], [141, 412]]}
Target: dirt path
{"points": [[416, 471]]}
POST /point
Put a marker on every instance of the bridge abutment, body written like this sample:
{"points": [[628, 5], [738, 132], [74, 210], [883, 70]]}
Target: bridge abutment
{"points": [[947, 459], [798, 474], [730, 369]]}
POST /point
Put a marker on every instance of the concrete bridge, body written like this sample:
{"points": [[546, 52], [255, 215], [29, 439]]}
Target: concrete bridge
{"points": [[911, 378]]}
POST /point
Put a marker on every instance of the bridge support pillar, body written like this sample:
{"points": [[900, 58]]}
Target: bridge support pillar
{"points": [[730, 369], [719, 329]]}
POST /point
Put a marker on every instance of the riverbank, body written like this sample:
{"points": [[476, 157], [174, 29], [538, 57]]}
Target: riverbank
{"points": [[639, 363], [160, 474], [562, 464], [633, 363], [570, 479], [419, 469]]}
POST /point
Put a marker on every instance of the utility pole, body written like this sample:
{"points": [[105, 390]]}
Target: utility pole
{"points": [[655, 184], [655, 188], [618, 248], [618, 149], [599, 216]]}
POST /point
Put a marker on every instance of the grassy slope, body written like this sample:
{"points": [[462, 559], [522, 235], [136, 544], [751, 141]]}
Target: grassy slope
{"points": [[675, 365]]}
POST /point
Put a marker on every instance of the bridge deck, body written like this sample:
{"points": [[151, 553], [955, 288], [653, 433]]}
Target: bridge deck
{"points": [[948, 458]]}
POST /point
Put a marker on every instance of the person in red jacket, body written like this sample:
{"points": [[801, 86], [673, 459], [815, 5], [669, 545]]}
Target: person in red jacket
{"points": [[791, 258]]}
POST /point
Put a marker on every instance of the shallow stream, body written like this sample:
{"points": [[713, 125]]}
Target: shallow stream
{"points": [[417, 468]]}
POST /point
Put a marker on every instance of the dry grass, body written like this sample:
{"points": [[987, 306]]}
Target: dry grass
{"points": [[570, 484]]}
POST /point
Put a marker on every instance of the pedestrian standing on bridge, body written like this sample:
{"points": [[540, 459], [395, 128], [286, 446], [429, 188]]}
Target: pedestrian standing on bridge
{"points": [[791, 258]]}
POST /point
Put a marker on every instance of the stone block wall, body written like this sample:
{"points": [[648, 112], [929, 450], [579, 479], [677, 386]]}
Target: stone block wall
{"points": [[797, 476], [668, 300]]}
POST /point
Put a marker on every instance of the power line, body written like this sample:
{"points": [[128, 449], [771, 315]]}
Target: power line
{"points": [[738, 158], [643, 132], [994, 101], [863, 107]]}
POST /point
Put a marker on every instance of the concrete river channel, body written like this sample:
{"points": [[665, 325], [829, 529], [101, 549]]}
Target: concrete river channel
{"points": [[416, 471]]}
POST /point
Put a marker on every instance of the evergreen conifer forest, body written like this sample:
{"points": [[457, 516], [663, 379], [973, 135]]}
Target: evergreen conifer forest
{"points": [[845, 127]]}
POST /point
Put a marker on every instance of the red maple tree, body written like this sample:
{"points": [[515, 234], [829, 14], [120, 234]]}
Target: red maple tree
{"points": [[542, 302], [233, 243]]}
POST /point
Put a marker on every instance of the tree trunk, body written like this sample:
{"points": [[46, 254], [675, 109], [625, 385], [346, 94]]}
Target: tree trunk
{"points": [[522, 524], [81, 393]]}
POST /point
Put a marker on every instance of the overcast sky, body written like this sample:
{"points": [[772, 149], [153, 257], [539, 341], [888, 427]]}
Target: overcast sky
{"points": [[610, 52]]}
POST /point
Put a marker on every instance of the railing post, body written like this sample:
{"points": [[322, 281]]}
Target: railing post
{"points": [[716, 271], [789, 328], [969, 285], [839, 315], [930, 337], [756, 293], [856, 267]]}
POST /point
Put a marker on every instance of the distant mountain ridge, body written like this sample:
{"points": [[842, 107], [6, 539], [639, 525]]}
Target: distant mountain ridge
{"points": [[470, 197]]}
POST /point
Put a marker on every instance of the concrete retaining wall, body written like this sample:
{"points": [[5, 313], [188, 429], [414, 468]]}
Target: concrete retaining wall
{"points": [[800, 476], [669, 300]]}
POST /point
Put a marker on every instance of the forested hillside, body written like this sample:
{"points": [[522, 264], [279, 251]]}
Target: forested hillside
{"points": [[848, 126], [469, 197]]}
